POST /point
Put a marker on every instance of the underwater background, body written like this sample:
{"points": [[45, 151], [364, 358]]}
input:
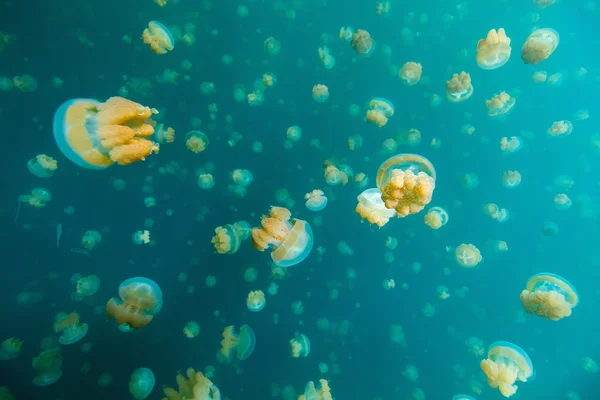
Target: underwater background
{"points": [[94, 49]]}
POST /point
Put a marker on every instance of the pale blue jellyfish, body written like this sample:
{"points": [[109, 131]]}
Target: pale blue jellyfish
{"points": [[141, 383]]}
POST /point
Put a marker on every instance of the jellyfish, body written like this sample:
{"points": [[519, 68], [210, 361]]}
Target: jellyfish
{"points": [[410, 73], [294, 133], [25, 83], [362, 43], [48, 366], [91, 239], [312, 393], [462, 397], [196, 141], [436, 217], [255, 301], [300, 346], [380, 110], [164, 134], [158, 37], [206, 181], [539, 77], [511, 179], [539, 45], [511, 145], [406, 182], [371, 207], [410, 373], [326, 58], [493, 51], [196, 386], [191, 330], [361, 180], [228, 238], [500, 104], [141, 237], [475, 346], [141, 383], [346, 33], [269, 79], [560, 128], [320, 93], [315, 200], [467, 255], [543, 3], [589, 365], [70, 328], [242, 177], [42, 166], [242, 343], [272, 46], [291, 241], [562, 201], [38, 198], [549, 295], [495, 212], [459, 87], [11, 348], [95, 135], [505, 364], [140, 300]]}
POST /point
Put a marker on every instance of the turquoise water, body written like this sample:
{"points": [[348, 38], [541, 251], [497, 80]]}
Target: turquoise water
{"points": [[94, 50]]}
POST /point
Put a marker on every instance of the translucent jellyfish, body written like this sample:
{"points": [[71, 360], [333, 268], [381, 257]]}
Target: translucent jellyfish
{"points": [[511, 179], [291, 241], [372, 208], [462, 397], [196, 141], [380, 110], [589, 365], [191, 330], [562, 201], [320, 93], [140, 300], [312, 393], [242, 344], [315, 200], [42, 166], [406, 182], [25, 83], [294, 133], [560, 128], [164, 134], [38, 197], [410, 73], [10, 349], [141, 383], [436, 217], [549, 295], [91, 239], [158, 37], [495, 212], [272, 46], [269, 79], [95, 135], [299, 346], [242, 177], [70, 328], [361, 180], [256, 301], [362, 43], [500, 104], [141, 237], [228, 238], [539, 45], [410, 373], [543, 3], [493, 51], [475, 346], [468, 255], [206, 181], [459, 87], [346, 33], [326, 58], [48, 366], [505, 364], [511, 145], [194, 385], [539, 77]]}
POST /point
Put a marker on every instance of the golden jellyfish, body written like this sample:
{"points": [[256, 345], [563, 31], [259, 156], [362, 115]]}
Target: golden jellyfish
{"points": [[539, 77], [550, 296], [294, 133], [193, 386], [406, 182], [291, 241], [505, 364], [326, 58], [495, 212], [493, 51], [272, 46], [38, 197], [312, 393], [383, 8], [539, 45], [299, 346], [48, 365], [158, 37], [320, 93], [196, 141], [467, 255], [315, 200], [10, 349], [141, 237], [206, 181], [511, 145], [42, 166], [362, 43], [70, 328], [228, 238], [96, 135], [256, 300], [459, 87], [562, 201], [379, 111], [191, 330], [436, 217], [269, 79], [543, 3], [140, 299], [242, 344], [511, 179], [371, 207], [242, 177], [346, 33], [164, 134], [500, 104], [410, 73], [355, 142], [560, 128], [361, 180]]}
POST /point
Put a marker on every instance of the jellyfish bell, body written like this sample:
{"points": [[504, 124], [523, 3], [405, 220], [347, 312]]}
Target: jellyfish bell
{"points": [[140, 300], [300, 346], [243, 343], [362, 43], [549, 295], [500, 104], [539, 45], [42, 166], [505, 364], [256, 301], [494, 50], [141, 383], [459, 87]]}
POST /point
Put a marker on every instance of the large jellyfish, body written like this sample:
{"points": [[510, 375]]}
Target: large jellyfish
{"points": [[493, 51], [228, 238], [158, 37], [539, 45], [70, 328], [195, 387], [140, 300], [371, 207], [505, 364], [459, 87], [291, 241], [141, 383], [95, 135], [242, 343], [380, 110], [362, 43], [549, 296], [406, 182]]}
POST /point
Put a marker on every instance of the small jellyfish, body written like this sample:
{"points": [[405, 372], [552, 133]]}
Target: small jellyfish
{"points": [[372, 208], [467, 255], [326, 58], [511, 179], [158, 37], [459, 87], [312, 393], [346, 33], [38, 198], [10, 349], [25, 83], [141, 237], [42, 166], [272, 46], [315, 200], [380, 110], [164, 134], [475, 346], [320, 93], [140, 299], [96, 135], [406, 182], [436, 217], [493, 51], [70, 328], [299, 346], [539, 45], [589, 365], [256, 301], [85, 287], [560, 128], [191, 330], [48, 366], [562, 201], [195, 386], [294, 133], [500, 104], [196, 141], [362, 43], [505, 364], [292, 240], [462, 397], [228, 238], [410, 73], [550, 296], [91, 239], [539, 77], [242, 343], [269, 79], [511, 145], [242, 177], [141, 383], [543, 3], [206, 181], [410, 373]]}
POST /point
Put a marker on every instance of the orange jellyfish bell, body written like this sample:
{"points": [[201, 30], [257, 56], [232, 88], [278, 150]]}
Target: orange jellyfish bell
{"points": [[140, 300]]}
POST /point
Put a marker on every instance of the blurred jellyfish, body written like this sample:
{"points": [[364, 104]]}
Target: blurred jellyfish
{"points": [[228, 238], [383, 8], [462, 397], [269, 79], [42, 166], [320, 93], [256, 301], [436, 217], [326, 58], [242, 177], [242, 344], [475, 346], [191, 330], [38, 198], [539, 77], [355, 142], [589, 365], [543, 3], [468, 255], [410, 373], [505, 364], [549, 295], [158, 37], [380, 110], [562, 201], [272, 46], [48, 365], [511, 179], [206, 181], [346, 33], [299, 346], [495, 212], [361, 180], [140, 300], [362, 43], [70, 328], [493, 51], [164, 134], [193, 386], [315, 200], [539, 45], [10, 349], [410, 73], [312, 393], [560, 128], [141, 237], [141, 383], [388, 284], [25, 83], [459, 87], [372, 208], [511, 145], [500, 104], [196, 141], [91, 239], [294, 133]]}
